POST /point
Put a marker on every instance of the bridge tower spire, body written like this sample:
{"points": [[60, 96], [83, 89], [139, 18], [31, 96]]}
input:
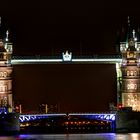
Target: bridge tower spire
{"points": [[129, 95]]}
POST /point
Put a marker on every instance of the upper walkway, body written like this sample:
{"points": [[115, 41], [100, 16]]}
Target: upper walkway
{"points": [[106, 59]]}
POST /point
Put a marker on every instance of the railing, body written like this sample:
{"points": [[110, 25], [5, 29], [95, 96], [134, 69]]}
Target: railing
{"points": [[30, 117], [60, 57], [96, 116], [38, 59]]}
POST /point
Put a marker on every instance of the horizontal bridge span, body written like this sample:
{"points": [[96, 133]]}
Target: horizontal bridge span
{"points": [[103, 116], [38, 59], [73, 61]]}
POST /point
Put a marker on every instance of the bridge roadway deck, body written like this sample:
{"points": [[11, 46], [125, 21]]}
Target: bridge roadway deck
{"points": [[102, 116], [16, 60]]}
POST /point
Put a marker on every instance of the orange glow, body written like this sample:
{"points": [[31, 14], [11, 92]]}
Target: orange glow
{"points": [[119, 106], [66, 123]]}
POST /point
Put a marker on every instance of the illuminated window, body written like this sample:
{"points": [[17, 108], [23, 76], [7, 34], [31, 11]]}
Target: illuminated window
{"points": [[4, 56], [3, 88], [131, 55], [127, 73], [132, 101], [127, 54], [131, 73], [5, 101], [131, 86], [3, 74], [135, 73]]}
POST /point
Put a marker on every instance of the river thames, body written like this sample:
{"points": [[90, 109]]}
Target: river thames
{"points": [[96, 136]]}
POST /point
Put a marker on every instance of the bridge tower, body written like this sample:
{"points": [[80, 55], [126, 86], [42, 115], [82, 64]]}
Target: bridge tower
{"points": [[129, 95], [6, 104]]}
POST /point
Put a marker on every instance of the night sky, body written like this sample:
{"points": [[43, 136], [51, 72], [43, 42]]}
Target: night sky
{"points": [[74, 87], [85, 28]]}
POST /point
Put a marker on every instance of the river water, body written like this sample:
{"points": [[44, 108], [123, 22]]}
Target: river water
{"points": [[98, 136]]}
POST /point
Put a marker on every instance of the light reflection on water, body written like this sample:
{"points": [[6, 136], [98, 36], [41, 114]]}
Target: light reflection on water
{"points": [[99, 136]]}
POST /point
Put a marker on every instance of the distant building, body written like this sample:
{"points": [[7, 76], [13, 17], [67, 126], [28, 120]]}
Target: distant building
{"points": [[48, 108], [43, 108]]}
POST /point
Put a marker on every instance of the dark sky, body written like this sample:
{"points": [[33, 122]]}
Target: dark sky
{"points": [[74, 87], [51, 27]]}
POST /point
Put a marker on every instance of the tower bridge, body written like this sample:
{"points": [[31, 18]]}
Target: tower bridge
{"points": [[128, 82], [128, 79]]}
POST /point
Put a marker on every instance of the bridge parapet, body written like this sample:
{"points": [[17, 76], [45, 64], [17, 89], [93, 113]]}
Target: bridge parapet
{"points": [[96, 116], [103, 117], [31, 117]]}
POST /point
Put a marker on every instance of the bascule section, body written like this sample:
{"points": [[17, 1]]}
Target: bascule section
{"points": [[130, 68]]}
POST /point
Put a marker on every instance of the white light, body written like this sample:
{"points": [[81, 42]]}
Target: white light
{"points": [[30, 61], [134, 136], [117, 66], [34, 115], [90, 114], [135, 39], [24, 61], [97, 60], [28, 117], [67, 56]]}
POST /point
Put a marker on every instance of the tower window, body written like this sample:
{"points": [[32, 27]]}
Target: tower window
{"points": [[3, 88], [131, 73], [3, 74], [132, 86], [135, 73], [127, 73]]}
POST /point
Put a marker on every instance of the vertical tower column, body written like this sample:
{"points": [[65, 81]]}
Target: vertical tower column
{"points": [[119, 83], [130, 69], [6, 103]]}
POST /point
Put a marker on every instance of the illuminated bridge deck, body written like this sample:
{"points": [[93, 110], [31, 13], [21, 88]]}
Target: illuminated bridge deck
{"points": [[102, 117], [108, 59]]}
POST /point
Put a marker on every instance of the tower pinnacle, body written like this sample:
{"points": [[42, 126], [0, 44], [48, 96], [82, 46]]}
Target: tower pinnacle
{"points": [[7, 36], [128, 21], [133, 34]]}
